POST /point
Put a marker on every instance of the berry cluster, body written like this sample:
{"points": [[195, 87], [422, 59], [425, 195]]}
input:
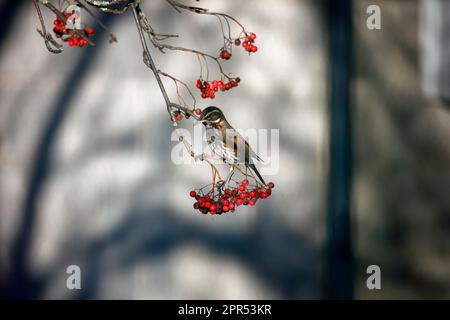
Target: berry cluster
{"points": [[69, 35], [179, 115], [247, 43], [225, 54], [227, 200], [209, 89]]}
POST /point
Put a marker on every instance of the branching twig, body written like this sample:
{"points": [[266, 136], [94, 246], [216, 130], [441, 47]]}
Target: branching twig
{"points": [[52, 45], [63, 18], [181, 82], [177, 5], [112, 37], [153, 37], [148, 58]]}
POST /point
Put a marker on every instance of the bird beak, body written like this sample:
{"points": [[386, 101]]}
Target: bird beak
{"points": [[203, 121]]}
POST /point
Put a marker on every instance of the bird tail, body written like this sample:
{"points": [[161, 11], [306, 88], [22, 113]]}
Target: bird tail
{"points": [[253, 167]]}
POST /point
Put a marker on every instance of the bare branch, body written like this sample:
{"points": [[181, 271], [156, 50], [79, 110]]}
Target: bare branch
{"points": [[63, 18], [112, 37], [52, 45]]}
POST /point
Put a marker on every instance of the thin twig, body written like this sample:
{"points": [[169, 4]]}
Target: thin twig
{"points": [[148, 58], [63, 18], [52, 45], [112, 37]]}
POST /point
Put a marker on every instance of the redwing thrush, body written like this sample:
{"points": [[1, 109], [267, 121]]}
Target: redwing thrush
{"points": [[226, 142]]}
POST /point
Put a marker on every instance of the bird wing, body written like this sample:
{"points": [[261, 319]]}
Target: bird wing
{"points": [[236, 142], [218, 146]]}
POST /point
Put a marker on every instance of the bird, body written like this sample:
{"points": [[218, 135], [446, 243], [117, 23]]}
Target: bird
{"points": [[226, 142]]}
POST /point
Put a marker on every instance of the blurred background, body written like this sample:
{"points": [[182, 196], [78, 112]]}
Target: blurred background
{"points": [[364, 172]]}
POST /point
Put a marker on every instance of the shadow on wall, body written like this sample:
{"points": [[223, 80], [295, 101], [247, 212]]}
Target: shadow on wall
{"points": [[20, 284]]}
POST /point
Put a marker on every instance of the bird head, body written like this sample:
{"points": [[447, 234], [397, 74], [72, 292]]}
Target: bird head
{"points": [[212, 116]]}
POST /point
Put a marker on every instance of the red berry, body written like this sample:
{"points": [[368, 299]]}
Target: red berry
{"points": [[243, 195], [245, 182], [90, 31], [226, 208], [271, 185], [241, 188], [253, 48], [193, 194], [237, 80], [212, 208], [225, 54], [198, 111], [252, 36]]}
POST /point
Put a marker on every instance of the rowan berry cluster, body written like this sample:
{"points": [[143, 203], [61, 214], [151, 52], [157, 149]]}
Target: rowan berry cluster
{"points": [[208, 89], [179, 115], [247, 43], [225, 54], [69, 35], [229, 199]]}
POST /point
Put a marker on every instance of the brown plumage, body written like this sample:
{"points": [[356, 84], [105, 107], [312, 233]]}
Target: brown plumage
{"points": [[226, 142]]}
